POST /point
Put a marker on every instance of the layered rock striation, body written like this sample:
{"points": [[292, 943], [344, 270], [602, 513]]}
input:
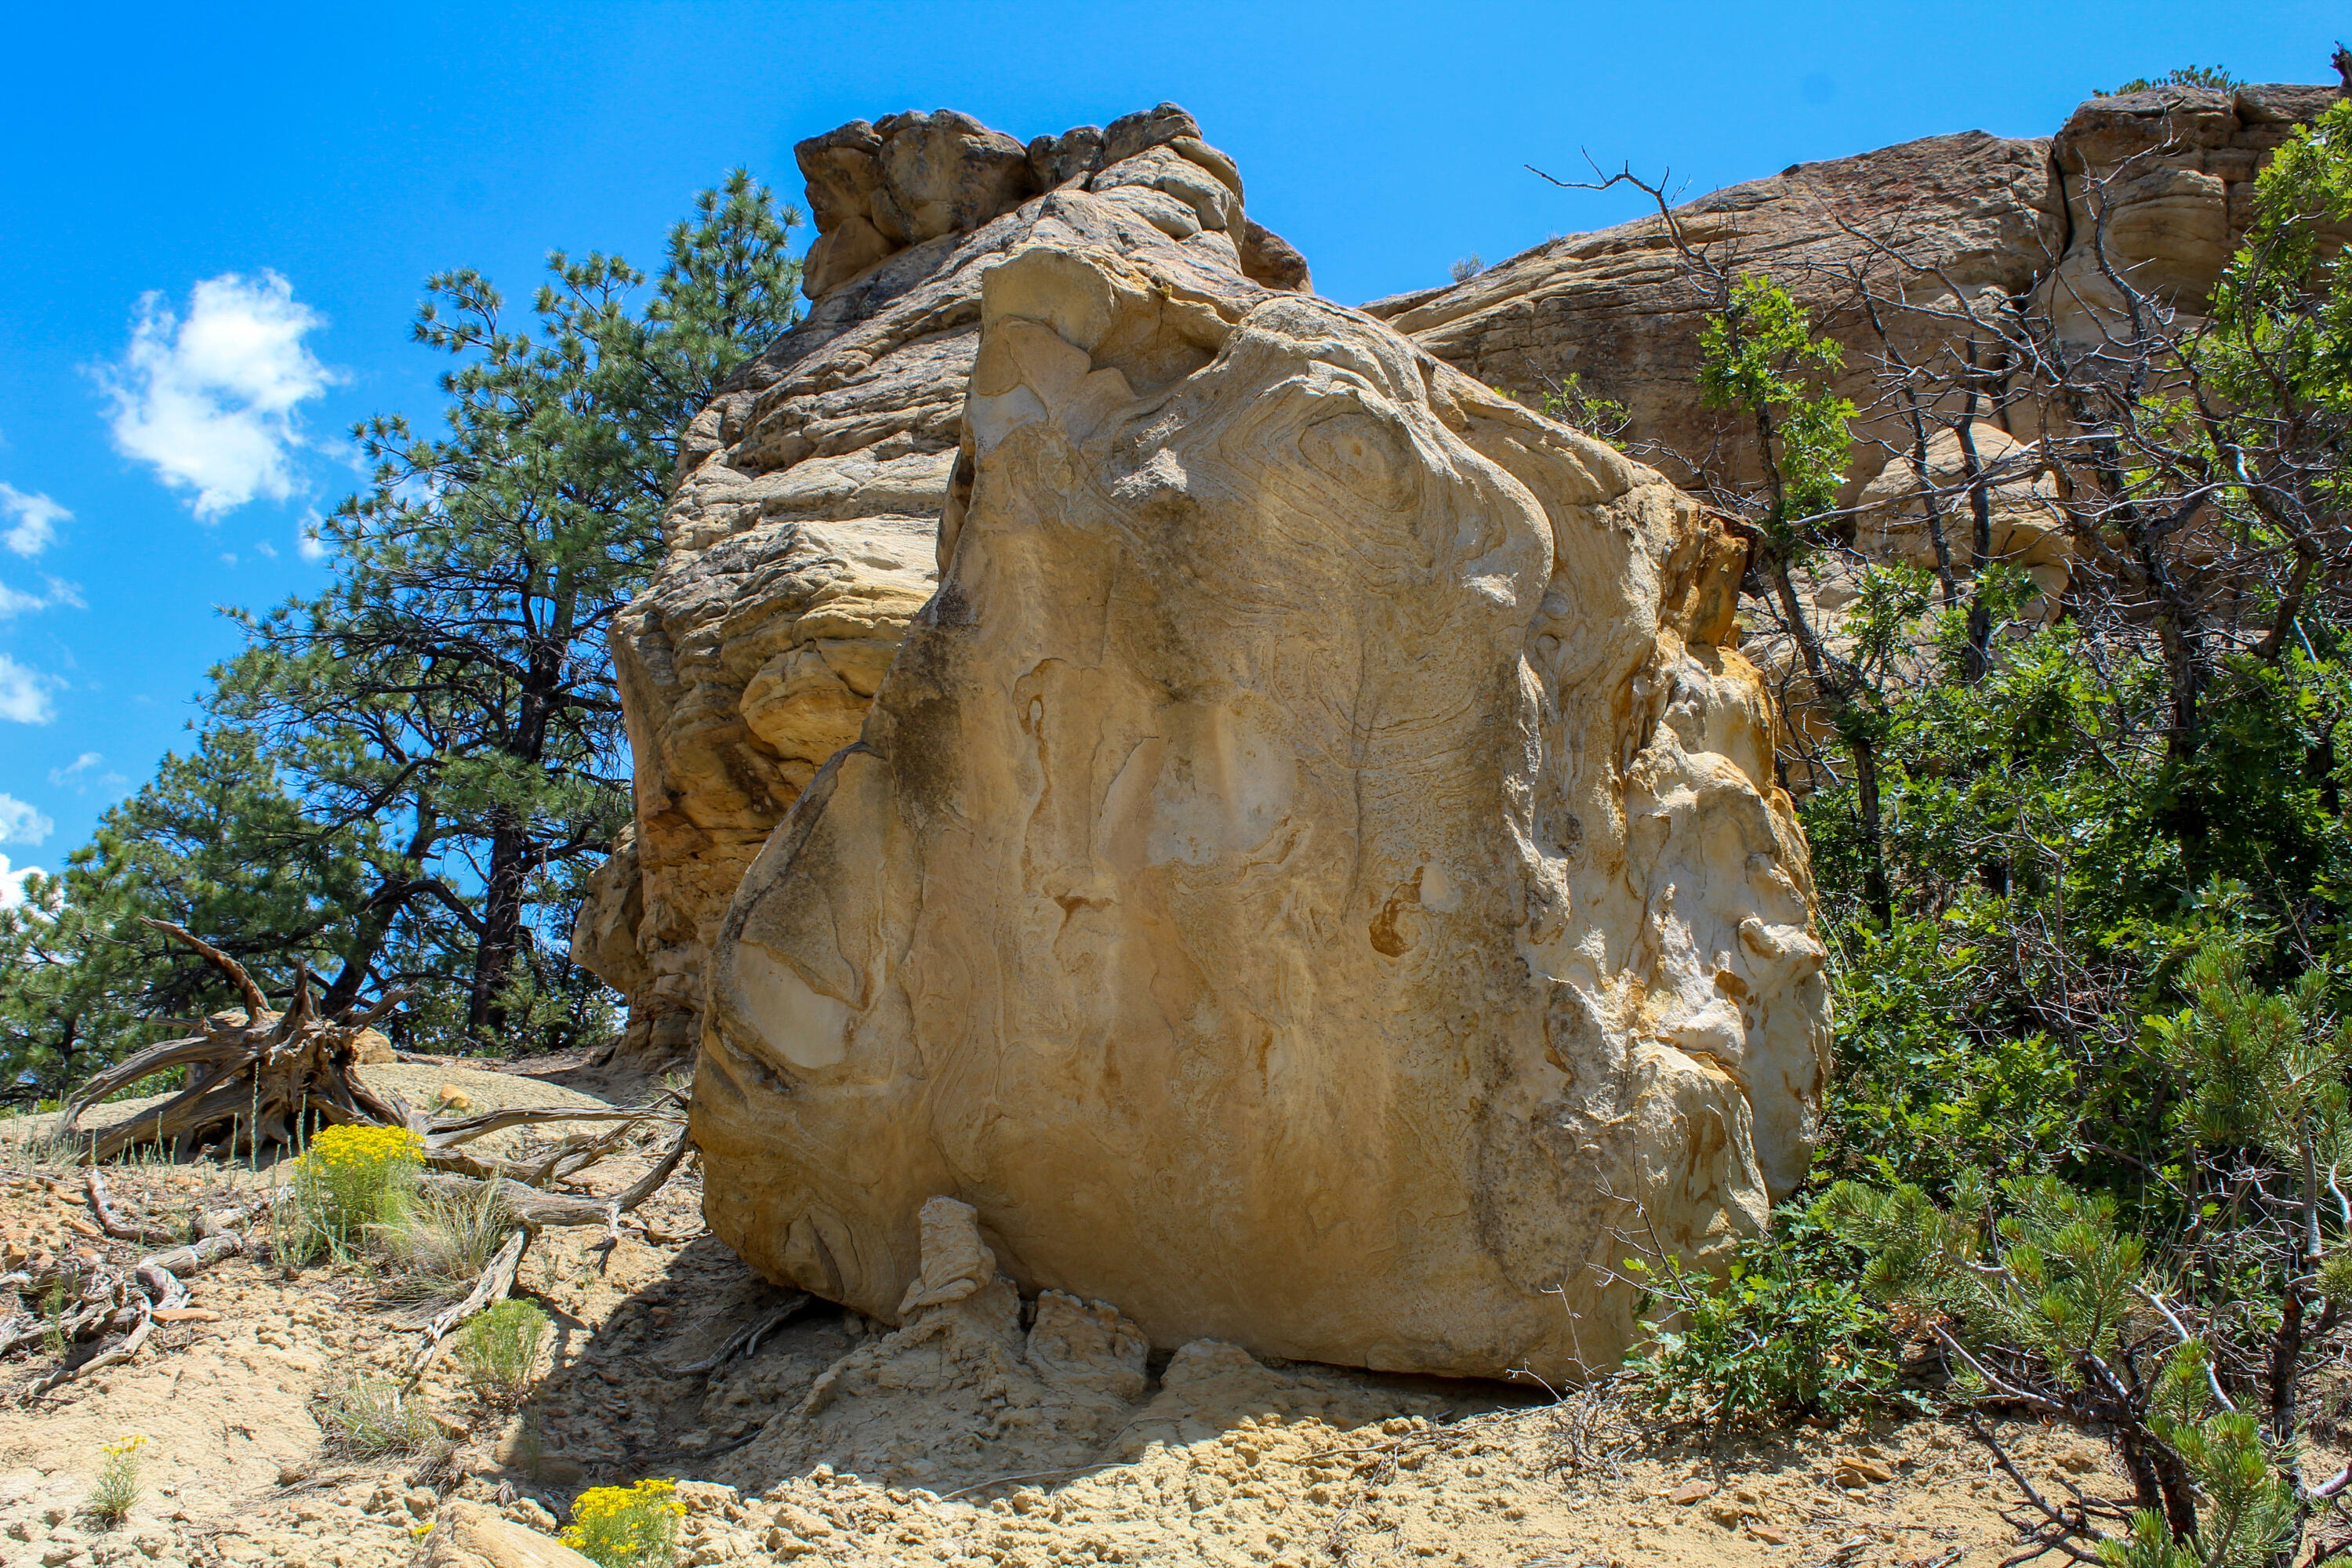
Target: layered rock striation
{"points": [[1312, 867], [2160, 180], [803, 533]]}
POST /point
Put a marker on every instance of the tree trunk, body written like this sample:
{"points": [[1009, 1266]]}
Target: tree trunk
{"points": [[502, 900], [1980, 655], [512, 848]]}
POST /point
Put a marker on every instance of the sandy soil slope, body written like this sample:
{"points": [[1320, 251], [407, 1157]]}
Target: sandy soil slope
{"points": [[970, 1437]]}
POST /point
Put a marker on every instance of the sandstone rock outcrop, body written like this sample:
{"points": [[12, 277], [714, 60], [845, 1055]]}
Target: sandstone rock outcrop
{"points": [[1313, 864], [803, 533], [2155, 185], [2168, 171], [1617, 308], [2167, 177]]}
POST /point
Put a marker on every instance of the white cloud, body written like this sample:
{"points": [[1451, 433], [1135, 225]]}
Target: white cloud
{"points": [[210, 402], [24, 693], [307, 543], [32, 521], [13, 602], [20, 822], [228, 557], [11, 883], [89, 774], [267, 551]]}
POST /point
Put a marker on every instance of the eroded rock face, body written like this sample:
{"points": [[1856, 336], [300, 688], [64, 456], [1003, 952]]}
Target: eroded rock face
{"points": [[1311, 869], [2167, 175], [803, 533], [1975, 218], [1617, 310]]}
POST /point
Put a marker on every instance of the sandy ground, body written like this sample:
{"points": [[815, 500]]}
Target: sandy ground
{"points": [[23, 1138], [991, 1430]]}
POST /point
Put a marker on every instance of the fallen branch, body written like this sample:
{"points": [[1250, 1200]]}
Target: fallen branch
{"points": [[196, 1255], [224, 1220], [495, 1281], [747, 1339], [538, 1209], [113, 1356], [113, 1224]]}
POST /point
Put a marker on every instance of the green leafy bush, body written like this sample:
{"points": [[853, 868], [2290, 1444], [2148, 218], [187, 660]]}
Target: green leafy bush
{"points": [[2211, 77], [1769, 1344]]}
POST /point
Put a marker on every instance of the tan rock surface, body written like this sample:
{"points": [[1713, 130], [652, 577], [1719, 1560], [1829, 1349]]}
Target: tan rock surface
{"points": [[2169, 172], [1616, 309], [2167, 175], [1311, 869], [2027, 530], [803, 533], [468, 1535]]}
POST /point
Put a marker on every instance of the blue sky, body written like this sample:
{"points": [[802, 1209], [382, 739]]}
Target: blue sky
{"points": [[218, 217]]}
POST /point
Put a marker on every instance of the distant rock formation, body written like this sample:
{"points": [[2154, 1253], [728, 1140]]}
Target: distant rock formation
{"points": [[2160, 181], [2169, 172]]}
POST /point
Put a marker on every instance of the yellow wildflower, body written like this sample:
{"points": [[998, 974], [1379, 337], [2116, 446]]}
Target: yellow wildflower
{"points": [[626, 1527]]}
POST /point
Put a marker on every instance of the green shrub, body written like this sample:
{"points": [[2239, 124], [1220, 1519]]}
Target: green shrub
{"points": [[1759, 1347], [500, 1348]]}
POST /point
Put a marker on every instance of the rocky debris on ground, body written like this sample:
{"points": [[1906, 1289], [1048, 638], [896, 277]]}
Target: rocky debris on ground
{"points": [[991, 1430]]}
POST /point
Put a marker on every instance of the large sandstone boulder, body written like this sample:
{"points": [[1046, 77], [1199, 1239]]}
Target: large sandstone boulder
{"points": [[1313, 866], [804, 534]]}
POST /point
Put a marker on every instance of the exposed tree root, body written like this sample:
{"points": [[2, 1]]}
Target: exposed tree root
{"points": [[108, 1300], [113, 1224], [252, 1078], [256, 1078]]}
